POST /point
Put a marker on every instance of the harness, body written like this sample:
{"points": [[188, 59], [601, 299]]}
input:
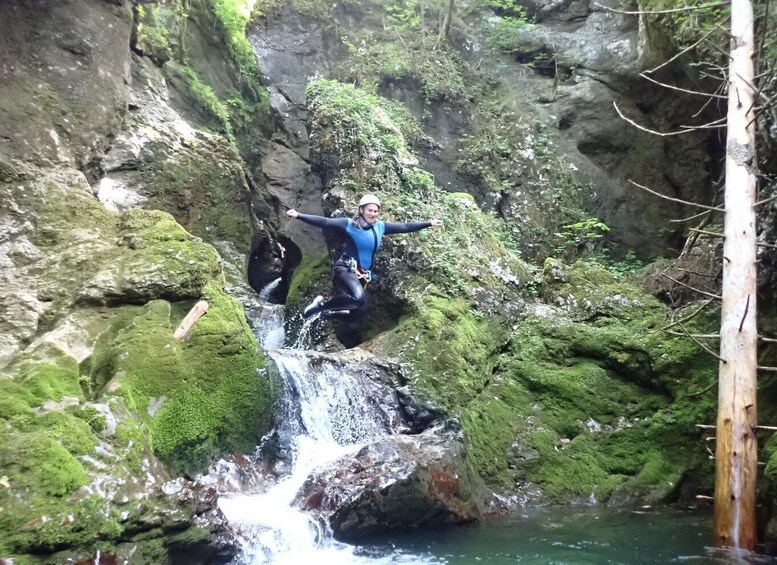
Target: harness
{"points": [[364, 275]]}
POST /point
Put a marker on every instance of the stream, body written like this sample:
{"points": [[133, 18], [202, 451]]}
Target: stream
{"points": [[325, 413]]}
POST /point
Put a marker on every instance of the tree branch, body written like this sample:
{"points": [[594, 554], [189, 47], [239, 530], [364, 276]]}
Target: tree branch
{"points": [[662, 134], [681, 53], [657, 12], [689, 317], [705, 293], [664, 196], [688, 219], [704, 347], [705, 232], [672, 87]]}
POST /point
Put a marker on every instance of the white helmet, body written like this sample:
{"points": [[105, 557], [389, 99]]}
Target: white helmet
{"points": [[369, 199]]}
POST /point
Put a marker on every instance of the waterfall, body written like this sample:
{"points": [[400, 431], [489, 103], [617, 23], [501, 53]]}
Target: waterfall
{"points": [[325, 411]]}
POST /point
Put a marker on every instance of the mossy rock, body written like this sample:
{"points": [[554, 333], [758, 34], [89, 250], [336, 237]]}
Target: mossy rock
{"points": [[200, 397]]}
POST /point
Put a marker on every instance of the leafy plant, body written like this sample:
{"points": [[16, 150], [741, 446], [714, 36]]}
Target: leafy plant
{"points": [[580, 236]]}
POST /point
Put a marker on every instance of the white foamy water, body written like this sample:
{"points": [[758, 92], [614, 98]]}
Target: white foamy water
{"points": [[324, 413]]}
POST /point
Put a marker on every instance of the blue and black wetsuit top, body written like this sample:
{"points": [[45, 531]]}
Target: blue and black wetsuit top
{"points": [[362, 241]]}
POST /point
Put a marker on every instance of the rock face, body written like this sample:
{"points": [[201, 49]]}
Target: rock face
{"points": [[65, 79], [100, 405]]}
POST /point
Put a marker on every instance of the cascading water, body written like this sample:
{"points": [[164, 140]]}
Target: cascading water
{"points": [[325, 412]]}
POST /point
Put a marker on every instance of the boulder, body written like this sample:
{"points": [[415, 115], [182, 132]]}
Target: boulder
{"points": [[403, 481]]}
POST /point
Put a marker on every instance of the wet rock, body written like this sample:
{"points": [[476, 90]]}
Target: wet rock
{"points": [[396, 483]]}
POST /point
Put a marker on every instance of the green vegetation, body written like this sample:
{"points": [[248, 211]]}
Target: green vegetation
{"points": [[353, 127]]}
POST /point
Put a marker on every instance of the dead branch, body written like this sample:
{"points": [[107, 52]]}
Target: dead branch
{"points": [[765, 200], [705, 293], [197, 312], [677, 88], [767, 245], [705, 426], [699, 336], [664, 196], [764, 427], [767, 369], [767, 339], [689, 317], [715, 124], [661, 134], [706, 232], [702, 391], [706, 275], [689, 218], [658, 12], [700, 344], [683, 52]]}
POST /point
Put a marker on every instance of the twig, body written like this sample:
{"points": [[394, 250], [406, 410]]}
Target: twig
{"points": [[707, 275], [704, 347], [715, 296], [689, 218], [716, 124], [705, 426], [700, 336], [672, 87], [705, 232], [689, 317], [764, 427], [683, 52], [659, 133], [656, 12], [767, 369], [699, 393], [744, 314], [765, 200], [767, 339], [713, 208], [767, 245]]}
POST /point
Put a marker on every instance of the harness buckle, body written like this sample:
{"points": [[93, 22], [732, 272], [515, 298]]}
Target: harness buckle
{"points": [[364, 275]]}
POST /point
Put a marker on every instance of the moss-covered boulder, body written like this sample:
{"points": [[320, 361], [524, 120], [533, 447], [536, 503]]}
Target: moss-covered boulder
{"points": [[99, 404], [199, 397]]}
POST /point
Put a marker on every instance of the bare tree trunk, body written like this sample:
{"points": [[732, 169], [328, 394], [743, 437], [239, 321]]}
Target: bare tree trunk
{"points": [[445, 29], [736, 451]]}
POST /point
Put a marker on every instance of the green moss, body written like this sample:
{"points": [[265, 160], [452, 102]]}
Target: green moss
{"points": [[199, 397], [152, 226], [36, 461], [93, 418], [72, 433], [455, 373]]}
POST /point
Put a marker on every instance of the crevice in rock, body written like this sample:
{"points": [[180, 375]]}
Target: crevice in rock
{"points": [[270, 260]]}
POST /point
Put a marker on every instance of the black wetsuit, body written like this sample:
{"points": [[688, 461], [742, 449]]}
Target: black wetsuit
{"points": [[362, 242]]}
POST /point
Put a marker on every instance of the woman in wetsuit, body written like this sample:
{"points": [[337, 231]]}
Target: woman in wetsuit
{"points": [[363, 235]]}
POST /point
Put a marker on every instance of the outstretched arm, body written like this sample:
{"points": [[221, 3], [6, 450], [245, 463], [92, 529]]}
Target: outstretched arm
{"points": [[319, 221], [410, 226]]}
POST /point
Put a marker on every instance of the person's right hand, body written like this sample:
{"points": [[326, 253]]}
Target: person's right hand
{"points": [[293, 213]]}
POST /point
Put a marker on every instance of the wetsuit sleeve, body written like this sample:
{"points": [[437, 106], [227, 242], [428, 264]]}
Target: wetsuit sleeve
{"points": [[324, 223], [405, 228]]}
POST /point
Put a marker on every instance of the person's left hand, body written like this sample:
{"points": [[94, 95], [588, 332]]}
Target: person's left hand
{"points": [[436, 223]]}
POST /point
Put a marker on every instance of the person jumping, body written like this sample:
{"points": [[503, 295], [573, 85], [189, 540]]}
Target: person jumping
{"points": [[363, 234]]}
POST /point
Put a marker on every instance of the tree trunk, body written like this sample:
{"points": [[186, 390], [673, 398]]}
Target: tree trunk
{"points": [[445, 28], [736, 450]]}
